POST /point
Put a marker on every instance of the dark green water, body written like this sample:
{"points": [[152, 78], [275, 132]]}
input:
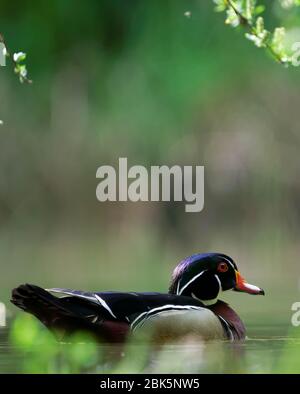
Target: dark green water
{"points": [[268, 349]]}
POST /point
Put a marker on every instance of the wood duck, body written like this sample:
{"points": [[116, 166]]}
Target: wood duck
{"points": [[192, 305]]}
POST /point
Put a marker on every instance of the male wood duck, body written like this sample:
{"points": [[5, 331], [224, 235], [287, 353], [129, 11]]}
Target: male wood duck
{"points": [[192, 305]]}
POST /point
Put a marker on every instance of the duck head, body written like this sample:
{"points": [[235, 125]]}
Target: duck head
{"points": [[205, 276]]}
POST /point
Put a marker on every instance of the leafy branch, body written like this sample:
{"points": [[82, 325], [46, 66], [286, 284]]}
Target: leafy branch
{"points": [[247, 13], [17, 60]]}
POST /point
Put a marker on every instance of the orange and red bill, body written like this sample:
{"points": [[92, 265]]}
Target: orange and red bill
{"points": [[242, 285]]}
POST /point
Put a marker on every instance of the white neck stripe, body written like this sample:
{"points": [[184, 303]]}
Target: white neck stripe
{"points": [[178, 285], [219, 282], [189, 282]]}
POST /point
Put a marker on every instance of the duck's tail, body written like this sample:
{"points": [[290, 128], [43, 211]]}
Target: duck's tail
{"points": [[63, 316], [50, 310]]}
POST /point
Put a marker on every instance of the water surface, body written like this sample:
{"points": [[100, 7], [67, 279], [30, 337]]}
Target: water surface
{"points": [[267, 349]]}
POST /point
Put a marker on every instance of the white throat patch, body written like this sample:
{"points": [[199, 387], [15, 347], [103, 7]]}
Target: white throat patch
{"points": [[214, 301]]}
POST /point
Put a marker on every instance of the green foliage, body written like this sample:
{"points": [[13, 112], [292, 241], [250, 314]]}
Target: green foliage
{"points": [[45, 355], [17, 59], [247, 13], [26, 332], [20, 68]]}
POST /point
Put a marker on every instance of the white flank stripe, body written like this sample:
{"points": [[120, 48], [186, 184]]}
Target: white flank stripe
{"points": [[227, 325], [141, 323], [190, 281], [161, 309], [137, 318], [104, 304]]}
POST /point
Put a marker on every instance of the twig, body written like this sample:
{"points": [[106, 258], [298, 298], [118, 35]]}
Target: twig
{"points": [[246, 22]]}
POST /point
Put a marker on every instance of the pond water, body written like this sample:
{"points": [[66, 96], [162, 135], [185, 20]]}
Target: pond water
{"points": [[268, 349]]}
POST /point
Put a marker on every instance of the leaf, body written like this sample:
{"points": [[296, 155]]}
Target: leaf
{"points": [[19, 57], [259, 9], [220, 5], [249, 9], [232, 18], [260, 25]]}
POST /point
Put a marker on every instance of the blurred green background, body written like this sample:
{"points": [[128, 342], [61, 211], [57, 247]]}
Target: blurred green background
{"points": [[140, 80]]}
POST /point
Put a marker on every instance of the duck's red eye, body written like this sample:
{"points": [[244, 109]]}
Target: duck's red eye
{"points": [[222, 267]]}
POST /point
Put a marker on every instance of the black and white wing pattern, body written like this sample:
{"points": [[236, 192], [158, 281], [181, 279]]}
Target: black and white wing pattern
{"points": [[133, 308]]}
